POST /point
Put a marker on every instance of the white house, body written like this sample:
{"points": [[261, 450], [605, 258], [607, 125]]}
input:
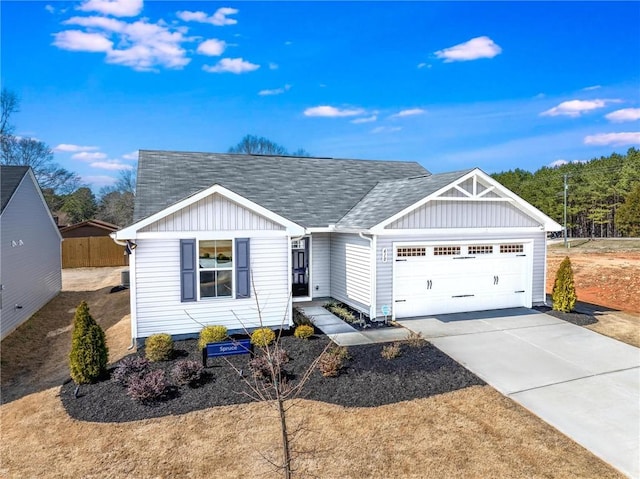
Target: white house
{"points": [[214, 231], [30, 265]]}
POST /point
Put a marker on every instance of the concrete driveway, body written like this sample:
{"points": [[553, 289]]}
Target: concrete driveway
{"points": [[584, 384]]}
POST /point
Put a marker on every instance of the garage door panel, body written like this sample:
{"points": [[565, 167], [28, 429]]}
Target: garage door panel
{"points": [[433, 284]]}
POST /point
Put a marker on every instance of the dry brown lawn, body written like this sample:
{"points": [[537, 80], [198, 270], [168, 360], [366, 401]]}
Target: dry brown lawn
{"points": [[475, 432]]}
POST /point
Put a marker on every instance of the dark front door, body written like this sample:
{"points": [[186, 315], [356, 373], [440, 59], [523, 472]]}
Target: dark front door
{"points": [[300, 268]]}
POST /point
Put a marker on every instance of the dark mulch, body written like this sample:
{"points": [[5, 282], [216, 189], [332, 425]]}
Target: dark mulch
{"points": [[368, 380], [575, 317]]}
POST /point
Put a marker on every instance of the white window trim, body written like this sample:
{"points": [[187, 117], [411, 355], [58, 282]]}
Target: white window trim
{"points": [[232, 269]]}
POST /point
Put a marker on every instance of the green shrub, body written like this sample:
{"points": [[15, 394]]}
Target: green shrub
{"points": [[158, 347], [263, 337], [89, 353], [300, 319], [415, 340], [564, 290], [212, 334], [341, 311], [303, 331], [391, 351], [332, 361]]}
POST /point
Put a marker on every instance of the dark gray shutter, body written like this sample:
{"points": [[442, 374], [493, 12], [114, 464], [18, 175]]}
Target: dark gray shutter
{"points": [[243, 279], [188, 270]]}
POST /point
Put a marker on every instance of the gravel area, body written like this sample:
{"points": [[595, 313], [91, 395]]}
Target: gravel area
{"points": [[367, 380]]}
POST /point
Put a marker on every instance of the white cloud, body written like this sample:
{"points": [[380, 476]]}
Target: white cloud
{"points": [[555, 164], [113, 165], [231, 65], [131, 156], [575, 108], [479, 47], [332, 112], [78, 41], [99, 181], [626, 114], [89, 156], [615, 139], [409, 112], [367, 119], [219, 18], [276, 91], [50, 8], [273, 66], [424, 65], [386, 129], [212, 48], [594, 87], [117, 8], [140, 45], [66, 147]]}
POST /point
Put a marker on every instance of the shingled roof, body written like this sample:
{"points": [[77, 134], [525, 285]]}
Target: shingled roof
{"points": [[392, 196], [10, 178], [312, 192]]}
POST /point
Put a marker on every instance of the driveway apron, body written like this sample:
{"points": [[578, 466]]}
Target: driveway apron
{"points": [[584, 384]]}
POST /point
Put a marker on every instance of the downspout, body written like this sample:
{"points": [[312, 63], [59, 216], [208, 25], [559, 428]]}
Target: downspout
{"points": [[126, 244], [372, 282]]}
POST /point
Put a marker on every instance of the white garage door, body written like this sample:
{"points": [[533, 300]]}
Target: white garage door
{"points": [[454, 278]]}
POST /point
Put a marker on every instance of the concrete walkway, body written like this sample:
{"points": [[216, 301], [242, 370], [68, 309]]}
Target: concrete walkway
{"points": [[344, 334], [582, 383]]}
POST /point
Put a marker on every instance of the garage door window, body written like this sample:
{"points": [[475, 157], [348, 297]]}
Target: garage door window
{"points": [[481, 249], [511, 248], [446, 250], [406, 252]]}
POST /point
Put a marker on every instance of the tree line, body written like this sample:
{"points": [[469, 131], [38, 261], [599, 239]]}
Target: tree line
{"points": [[65, 193], [603, 194]]}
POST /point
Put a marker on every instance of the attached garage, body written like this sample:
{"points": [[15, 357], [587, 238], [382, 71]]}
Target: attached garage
{"points": [[452, 277]]}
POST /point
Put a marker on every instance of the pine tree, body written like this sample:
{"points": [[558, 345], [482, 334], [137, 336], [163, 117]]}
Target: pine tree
{"points": [[564, 291], [89, 353]]}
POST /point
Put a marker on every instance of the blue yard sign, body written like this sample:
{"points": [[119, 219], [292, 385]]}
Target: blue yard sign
{"points": [[226, 348]]}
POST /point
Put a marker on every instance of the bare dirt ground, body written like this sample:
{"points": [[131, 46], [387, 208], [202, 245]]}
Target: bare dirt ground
{"points": [[607, 279], [474, 432]]}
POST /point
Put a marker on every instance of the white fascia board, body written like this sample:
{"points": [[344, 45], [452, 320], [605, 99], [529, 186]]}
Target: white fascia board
{"points": [[131, 232], [321, 229], [522, 205], [213, 234], [449, 232]]}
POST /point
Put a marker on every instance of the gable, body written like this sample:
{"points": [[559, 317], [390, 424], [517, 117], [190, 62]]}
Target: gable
{"points": [[213, 213], [474, 200]]}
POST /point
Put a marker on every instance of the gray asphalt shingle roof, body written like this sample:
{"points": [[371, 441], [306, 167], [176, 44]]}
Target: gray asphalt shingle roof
{"points": [[390, 197], [312, 192], [10, 178]]}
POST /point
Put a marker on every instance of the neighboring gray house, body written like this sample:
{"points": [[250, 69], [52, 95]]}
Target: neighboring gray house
{"points": [[214, 231], [30, 266]]}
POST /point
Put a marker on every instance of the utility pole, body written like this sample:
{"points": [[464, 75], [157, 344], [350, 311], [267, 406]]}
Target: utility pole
{"points": [[566, 187]]}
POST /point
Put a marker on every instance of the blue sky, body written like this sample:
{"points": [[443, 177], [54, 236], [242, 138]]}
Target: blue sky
{"points": [[451, 85]]}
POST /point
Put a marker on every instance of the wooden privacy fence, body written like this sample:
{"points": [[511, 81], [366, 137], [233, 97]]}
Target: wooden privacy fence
{"points": [[91, 252]]}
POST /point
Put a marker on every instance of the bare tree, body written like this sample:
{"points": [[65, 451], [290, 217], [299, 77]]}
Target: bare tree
{"points": [[117, 201], [20, 151], [259, 145]]}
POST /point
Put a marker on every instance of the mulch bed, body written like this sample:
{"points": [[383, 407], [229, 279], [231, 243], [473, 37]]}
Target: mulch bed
{"points": [[367, 380], [575, 317]]}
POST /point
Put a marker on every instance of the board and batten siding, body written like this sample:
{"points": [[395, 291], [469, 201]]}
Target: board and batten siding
{"points": [[464, 214], [30, 261], [213, 213], [384, 274], [351, 270], [321, 265], [157, 281]]}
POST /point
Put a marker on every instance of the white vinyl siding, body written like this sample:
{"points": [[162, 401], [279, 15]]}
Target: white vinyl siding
{"points": [[213, 213], [157, 280], [351, 270], [464, 214], [30, 261], [321, 265], [384, 274]]}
